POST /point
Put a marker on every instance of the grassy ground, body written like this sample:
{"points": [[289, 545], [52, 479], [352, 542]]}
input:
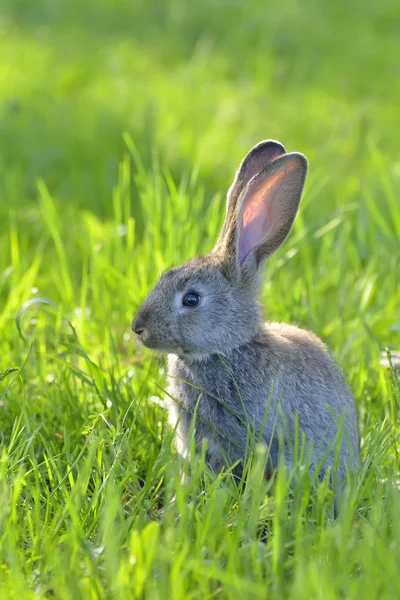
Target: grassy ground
{"points": [[121, 125]]}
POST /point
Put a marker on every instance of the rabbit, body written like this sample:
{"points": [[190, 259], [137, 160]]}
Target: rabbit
{"points": [[236, 376]]}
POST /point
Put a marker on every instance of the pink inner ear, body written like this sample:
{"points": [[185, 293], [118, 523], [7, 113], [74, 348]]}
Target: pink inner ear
{"points": [[260, 215]]}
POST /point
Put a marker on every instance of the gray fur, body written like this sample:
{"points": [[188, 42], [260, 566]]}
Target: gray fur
{"points": [[236, 374]]}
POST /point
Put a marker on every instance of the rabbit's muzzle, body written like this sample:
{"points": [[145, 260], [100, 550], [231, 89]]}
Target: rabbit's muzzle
{"points": [[150, 330], [139, 328]]}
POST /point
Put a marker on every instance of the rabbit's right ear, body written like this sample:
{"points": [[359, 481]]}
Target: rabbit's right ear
{"points": [[259, 156]]}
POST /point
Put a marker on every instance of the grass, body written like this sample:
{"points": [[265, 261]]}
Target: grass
{"points": [[122, 124]]}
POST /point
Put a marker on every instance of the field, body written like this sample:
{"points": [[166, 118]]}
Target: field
{"points": [[121, 126]]}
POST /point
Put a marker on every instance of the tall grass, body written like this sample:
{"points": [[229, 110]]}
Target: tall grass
{"points": [[121, 125]]}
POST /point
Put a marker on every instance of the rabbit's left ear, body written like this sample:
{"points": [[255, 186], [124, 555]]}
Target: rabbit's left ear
{"points": [[262, 154], [259, 156], [268, 209]]}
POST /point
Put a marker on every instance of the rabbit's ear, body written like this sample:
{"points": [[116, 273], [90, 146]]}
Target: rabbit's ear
{"points": [[259, 156], [268, 209]]}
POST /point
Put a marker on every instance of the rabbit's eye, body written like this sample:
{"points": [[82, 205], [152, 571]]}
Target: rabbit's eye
{"points": [[191, 299]]}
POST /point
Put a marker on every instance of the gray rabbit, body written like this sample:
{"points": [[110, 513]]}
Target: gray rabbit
{"points": [[240, 379]]}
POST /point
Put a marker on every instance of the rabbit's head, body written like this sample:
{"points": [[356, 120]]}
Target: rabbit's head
{"points": [[208, 305]]}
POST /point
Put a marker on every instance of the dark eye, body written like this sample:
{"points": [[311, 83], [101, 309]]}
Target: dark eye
{"points": [[191, 299]]}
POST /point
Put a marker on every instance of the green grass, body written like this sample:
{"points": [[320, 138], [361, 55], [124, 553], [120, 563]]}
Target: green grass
{"points": [[121, 126]]}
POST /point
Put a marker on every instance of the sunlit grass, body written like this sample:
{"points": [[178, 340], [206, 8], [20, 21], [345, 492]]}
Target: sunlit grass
{"points": [[122, 125]]}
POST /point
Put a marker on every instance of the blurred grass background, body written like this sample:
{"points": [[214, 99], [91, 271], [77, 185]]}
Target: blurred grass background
{"points": [[121, 126]]}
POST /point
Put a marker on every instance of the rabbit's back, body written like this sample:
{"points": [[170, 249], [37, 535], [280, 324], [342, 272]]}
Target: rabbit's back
{"points": [[262, 385]]}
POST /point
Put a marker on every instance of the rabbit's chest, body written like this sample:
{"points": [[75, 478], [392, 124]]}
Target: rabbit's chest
{"points": [[201, 388], [208, 395]]}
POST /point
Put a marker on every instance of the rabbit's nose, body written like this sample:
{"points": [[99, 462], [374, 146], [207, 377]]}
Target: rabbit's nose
{"points": [[138, 328]]}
